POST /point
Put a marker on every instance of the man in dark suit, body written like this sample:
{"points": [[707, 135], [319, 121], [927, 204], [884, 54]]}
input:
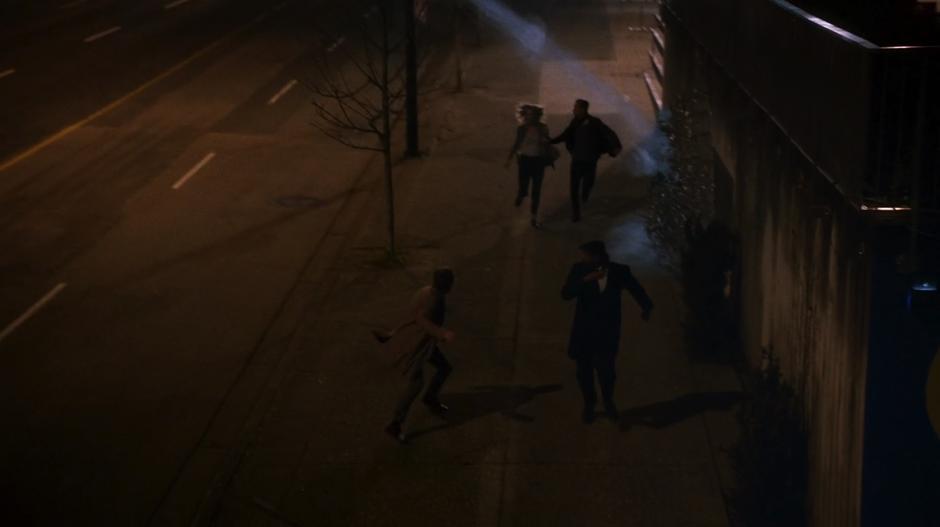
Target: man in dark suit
{"points": [[586, 139], [597, 283]]}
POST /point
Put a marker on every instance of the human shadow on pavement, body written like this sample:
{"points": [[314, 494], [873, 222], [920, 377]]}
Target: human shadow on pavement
{"points": [[481, 401], [668, 413]]}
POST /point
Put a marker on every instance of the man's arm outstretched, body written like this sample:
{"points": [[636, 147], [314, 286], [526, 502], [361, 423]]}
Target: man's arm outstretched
{"points": [[563, 136], [632, 285]]}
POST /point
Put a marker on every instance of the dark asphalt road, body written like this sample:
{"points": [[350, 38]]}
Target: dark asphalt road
{"points": [[159, 286], [61, 75]]}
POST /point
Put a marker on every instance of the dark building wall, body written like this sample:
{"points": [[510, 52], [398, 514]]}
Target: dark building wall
{"points": [[804, 267], [812, 85]]}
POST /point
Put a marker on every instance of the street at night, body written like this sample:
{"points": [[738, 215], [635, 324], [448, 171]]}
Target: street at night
{"points": [[268, 263]]}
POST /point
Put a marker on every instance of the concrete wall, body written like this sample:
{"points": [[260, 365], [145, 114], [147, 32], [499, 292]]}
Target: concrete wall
{"points": [[804, 271]]}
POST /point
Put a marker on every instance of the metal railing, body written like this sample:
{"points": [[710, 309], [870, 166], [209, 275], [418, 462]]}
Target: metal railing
{"points": [[866, 116]]}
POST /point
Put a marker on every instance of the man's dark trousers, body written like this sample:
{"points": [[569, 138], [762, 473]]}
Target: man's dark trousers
{"points": [[416, 383], [582, 181], [604, 365]]}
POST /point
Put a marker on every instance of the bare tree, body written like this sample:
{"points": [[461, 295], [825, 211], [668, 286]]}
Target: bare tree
{"points": [[358, 82]]}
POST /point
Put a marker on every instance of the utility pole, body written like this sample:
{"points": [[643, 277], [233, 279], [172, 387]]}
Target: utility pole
{"points": [[411, 80]]}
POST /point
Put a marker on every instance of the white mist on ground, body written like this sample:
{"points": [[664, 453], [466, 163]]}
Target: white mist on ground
{"points": [[647, 146]]}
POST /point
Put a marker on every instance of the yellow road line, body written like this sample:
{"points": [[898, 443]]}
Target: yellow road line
{"points": [[192, 172], [100, 35], [36, 148], [31, 311]]}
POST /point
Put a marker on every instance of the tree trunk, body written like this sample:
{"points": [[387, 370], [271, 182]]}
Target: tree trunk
{"points": [[389, 194], [458, 52], [411, 79], [387, 137]]}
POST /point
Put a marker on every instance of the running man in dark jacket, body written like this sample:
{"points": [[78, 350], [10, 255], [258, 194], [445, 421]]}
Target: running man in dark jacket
{"points": [[586, 138]]}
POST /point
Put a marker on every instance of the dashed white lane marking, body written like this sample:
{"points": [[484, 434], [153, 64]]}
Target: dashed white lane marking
{"points": [[280, 6], [192, 171], [173, 4], [7, 73], [338, 43], [102, 34], [31, 311], [287, 87], [30, 151]]}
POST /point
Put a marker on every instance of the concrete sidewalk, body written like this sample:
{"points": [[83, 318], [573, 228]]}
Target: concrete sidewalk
{"points": [[513, 451]]}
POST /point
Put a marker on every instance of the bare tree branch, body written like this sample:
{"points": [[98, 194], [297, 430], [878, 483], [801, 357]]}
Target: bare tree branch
{"points": [[359, 88], [341, 121], [339, 138]]}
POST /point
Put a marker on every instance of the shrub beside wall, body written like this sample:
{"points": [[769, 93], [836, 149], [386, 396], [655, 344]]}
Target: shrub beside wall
{"points": [[770, 458]]}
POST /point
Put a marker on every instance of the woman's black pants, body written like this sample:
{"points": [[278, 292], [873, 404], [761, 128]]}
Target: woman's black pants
{"points": [[531, 169]]}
